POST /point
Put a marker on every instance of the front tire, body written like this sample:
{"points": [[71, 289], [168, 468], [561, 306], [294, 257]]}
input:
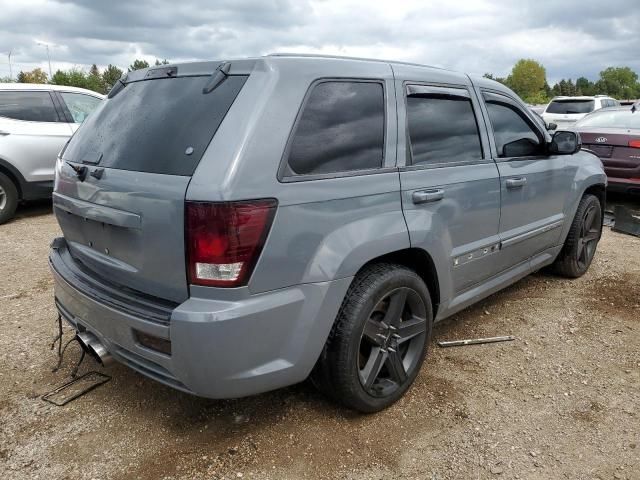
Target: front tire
{"points": [[379, 339], [8, 198], [581, 243]]}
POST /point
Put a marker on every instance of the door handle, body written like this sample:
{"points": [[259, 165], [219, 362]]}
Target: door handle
{"points": [[516, 182], [427, 196], [2, 133]]}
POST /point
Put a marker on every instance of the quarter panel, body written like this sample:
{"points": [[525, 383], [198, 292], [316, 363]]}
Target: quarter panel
{"points": [[325, 240]]}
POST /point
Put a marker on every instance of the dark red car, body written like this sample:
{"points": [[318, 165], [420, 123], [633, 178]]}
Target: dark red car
{"points": [[614, 135]]}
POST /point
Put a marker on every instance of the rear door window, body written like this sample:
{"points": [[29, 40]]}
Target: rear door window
{"points": [[514, 134], [442, 129], [80, 105], [566, 107], [27, 106], [340, 129], [156, 126]]}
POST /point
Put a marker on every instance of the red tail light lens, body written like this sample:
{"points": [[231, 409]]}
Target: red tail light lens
{"points": [[224, 240], [634, 143]]}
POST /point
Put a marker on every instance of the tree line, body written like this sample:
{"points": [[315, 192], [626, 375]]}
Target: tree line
{"points": [[94, 79], [528, 78]]}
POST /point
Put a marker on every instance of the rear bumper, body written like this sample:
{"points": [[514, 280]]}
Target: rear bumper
{"points": [[219, 348], [624, 185]]}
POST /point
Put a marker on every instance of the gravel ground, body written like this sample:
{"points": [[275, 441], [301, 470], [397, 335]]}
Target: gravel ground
{"points": [[562, 401]]}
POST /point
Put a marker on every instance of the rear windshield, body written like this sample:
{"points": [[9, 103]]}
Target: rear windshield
{"points": [[571, 106], [611, 119], [155, 126]]}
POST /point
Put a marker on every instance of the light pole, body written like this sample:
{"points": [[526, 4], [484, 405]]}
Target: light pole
{"points": [[45, 44], [10, 70]]}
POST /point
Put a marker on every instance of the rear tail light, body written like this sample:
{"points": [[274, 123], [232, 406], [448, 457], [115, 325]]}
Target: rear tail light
{"points": [[224, 240], [634, 143]]}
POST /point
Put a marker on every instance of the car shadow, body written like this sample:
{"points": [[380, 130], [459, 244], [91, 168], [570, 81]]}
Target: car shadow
{"points": [[33, 209]]}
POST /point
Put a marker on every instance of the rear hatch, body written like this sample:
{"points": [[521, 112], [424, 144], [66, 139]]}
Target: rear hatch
{"points": [[122, 179], [565, 112]]}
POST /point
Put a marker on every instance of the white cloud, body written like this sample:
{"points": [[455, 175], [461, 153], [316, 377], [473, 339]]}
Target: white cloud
{"points": [[571, 38]]}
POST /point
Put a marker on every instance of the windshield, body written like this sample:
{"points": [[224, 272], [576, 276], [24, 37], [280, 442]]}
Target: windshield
{"points": [[611, 119], [155, 126], [570, 106]]}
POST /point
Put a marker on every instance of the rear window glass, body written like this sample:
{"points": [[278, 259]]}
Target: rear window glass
{"points": [[155, 126], [570, 106], [611, 119], [341, 129], [28, 106]]}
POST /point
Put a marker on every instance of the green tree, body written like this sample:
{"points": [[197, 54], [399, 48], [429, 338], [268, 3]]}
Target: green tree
{"points": [[94, 80], [490, 76], [619, 82], [163, 62], [584, 86], [6, 79], [34, 76], [60, 78], [527, 78], [138, 65], [110, 76]]}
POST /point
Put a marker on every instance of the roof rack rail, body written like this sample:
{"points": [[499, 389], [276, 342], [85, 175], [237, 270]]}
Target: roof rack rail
{"points": [[340, 57]]}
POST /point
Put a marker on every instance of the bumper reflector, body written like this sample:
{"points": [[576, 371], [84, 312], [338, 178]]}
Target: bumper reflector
{"points": [[152, 342]]}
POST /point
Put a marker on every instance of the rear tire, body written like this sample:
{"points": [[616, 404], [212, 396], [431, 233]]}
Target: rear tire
{"points": [[379, 339], [8, 198], [581, 243]]}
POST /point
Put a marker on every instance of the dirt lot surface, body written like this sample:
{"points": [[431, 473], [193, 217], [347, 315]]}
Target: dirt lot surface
{"points": [[562, 401]]}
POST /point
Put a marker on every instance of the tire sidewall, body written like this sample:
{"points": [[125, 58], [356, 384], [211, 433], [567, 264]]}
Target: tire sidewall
{"points": [[12, 198], [388, 282], [587, 202]]}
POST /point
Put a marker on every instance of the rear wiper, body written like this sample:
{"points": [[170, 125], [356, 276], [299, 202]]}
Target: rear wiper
{"points": [[81, 171], [219, 76]]}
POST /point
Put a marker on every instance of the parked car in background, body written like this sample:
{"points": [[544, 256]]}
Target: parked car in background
{"points": [[538, 109], [566, 111], [614, 135], [35, 123], [257, 221]]}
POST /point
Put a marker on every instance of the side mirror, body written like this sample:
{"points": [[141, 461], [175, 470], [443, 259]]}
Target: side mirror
{"points": [[552, 126], [565, 143]]}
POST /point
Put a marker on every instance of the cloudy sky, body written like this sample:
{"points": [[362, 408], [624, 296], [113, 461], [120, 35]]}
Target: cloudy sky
{"points": [[571, 38]]}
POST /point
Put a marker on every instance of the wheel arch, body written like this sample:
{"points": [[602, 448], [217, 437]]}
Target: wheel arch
{"points": [[15, 176], [421, 262], [600, 191]]}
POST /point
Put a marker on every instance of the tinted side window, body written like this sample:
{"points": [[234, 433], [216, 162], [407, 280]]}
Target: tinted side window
{"points": [[442, 129], [340, 129], [29, 106], [80, 105], [514, 136]]}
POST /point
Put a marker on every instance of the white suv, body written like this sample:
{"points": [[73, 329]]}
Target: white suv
{"points": [[565, 111], [35, 123]]}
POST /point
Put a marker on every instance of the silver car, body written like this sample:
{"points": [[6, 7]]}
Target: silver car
{"points": [[35, 123], [235, 227]]}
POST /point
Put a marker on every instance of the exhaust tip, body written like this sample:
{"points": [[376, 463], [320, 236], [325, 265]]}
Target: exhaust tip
{"points": [[91, 345]]}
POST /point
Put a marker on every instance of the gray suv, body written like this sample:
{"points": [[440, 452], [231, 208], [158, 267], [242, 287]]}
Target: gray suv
{"points": [[235, 227]]}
